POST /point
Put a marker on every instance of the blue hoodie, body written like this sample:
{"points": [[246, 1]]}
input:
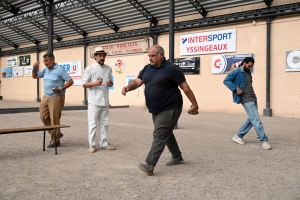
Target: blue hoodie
{"points": [[236, 78]]}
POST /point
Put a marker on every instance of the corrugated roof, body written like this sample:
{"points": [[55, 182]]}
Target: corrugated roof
{"points": [[76, 17]]}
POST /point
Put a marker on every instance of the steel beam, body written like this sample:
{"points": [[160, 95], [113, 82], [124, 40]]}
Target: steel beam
{"points": [[37, 13], [7, 41], [71, 24], [102, 17], [268, 2], [40, 26], [198, 7], [7, 6], [143, 11], [25, 35]]}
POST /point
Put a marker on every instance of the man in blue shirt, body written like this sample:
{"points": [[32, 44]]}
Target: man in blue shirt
{"points": [[164, 101], [56, 81], [239, 81]]}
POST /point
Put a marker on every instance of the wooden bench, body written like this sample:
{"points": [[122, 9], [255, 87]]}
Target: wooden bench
{"points": [[33, 129]]}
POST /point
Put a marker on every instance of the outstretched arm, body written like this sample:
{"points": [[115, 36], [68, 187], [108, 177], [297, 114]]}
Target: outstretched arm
{"points": [[132, 86], [190, 95]]}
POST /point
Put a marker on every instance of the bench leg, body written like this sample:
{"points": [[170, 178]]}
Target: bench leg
{"points": [[44, 140], [54, 131]]}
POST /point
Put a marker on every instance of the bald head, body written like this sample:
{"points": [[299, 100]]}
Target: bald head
{"points": [[156, 55]]}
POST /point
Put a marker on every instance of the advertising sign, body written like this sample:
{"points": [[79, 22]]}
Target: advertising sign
{"points": [[125, 47], [119, 66], [188, 65], [208, 42], [74, 70], [227, 63], [28, 70], [129, 79], [7, 72], [292, 60], [112, 87], [17, 71], [24, 60], [12, 61]]}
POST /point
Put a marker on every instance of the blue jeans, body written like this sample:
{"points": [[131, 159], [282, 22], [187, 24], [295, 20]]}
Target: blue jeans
{"points": [[253, 120]]}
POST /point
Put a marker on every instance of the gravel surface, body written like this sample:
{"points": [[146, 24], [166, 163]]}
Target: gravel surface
{"points": [[215, 167]]}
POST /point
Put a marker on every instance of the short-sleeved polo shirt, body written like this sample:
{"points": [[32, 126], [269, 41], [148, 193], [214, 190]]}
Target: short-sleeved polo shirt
{"points": [[161, 86], [55, 77]]}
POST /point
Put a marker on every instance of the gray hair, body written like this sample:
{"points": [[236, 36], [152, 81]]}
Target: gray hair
{"points": [[160, 50], [49, 54]]}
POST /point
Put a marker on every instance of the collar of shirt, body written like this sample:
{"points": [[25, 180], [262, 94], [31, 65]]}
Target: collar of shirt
{"points": [[161, 65], [52, 67]]}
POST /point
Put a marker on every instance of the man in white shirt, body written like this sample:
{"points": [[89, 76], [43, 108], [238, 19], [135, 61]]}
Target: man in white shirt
{"points": [[97, 78]]}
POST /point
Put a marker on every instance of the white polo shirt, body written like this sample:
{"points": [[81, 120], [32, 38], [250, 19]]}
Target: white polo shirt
{"points": [[98, 95]]}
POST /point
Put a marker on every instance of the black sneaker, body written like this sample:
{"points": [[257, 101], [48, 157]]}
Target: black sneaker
{"points": [[175, 161], [52, 145], [148, 169]]}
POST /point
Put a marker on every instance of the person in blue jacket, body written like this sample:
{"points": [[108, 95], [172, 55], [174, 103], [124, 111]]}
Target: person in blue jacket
{"points": [[239, 81]]}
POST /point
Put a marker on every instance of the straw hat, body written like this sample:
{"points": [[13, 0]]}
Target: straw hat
{"points": [[99, 50]]}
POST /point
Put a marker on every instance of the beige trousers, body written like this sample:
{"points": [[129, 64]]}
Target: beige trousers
{"points": [[50, 113]]}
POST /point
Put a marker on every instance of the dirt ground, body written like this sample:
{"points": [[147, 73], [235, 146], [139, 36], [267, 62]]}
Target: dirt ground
{"points": [[215, 167]]}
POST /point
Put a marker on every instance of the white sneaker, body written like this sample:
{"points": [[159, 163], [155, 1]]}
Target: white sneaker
{"points": [[237, 139], [266, 145]]}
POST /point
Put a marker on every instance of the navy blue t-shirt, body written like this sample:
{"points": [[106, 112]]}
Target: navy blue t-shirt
{"points": [[161, 86]]}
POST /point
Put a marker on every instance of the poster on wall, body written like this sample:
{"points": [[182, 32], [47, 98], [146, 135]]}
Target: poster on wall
{"points": [[17, 71], [292, 60], [208, 42], [12, 61], [74, 70], [188, 65], [113, 80], [6, 72], [226, 63], [123, 47], [28, 70], [129, 79], [119, 66], [24, 60]]}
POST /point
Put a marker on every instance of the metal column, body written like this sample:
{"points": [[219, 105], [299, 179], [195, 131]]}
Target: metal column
{"points": [[154, 39], [268, 110], [51, 9], [85, 101], [171, 30], [171, 35], [38, 99]]}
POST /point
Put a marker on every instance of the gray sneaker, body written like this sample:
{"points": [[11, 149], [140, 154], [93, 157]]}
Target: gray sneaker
{"points": [[266, 145], [237, 139], [175, 161], [148, 169]]}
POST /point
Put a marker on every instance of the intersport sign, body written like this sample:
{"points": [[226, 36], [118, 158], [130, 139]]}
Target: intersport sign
{"points": [[208, 42]]}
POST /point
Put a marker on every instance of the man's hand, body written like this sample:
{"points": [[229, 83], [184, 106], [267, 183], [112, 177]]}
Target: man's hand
{"points": [[98, 82], [193, 110], [239, 91], [36, 64], [57, 90], [124, 90]]}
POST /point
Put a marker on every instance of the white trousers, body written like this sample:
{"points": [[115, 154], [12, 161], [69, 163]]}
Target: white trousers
{"points": [[98, 115]]}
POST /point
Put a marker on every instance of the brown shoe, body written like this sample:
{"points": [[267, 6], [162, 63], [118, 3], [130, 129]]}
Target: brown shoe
{"points": [[108, 147], [92, 149], [52, 144], [175, 161], [148, 169]]}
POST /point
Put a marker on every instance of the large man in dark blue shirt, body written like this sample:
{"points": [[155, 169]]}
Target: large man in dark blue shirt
{"points": [[164, 101]]}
